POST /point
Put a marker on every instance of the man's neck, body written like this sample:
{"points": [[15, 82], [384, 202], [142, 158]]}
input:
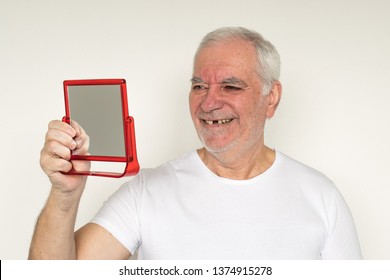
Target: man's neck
{"points": [[238, 166]]}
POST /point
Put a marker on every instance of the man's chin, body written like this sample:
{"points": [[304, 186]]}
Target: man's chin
{"points": [[218, 149]]}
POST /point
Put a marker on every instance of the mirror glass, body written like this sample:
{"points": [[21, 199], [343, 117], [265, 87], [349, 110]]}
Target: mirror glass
{"points": [[98, 110]]}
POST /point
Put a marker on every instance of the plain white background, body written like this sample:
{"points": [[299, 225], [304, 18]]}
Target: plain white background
{"points": [[333, 116]]}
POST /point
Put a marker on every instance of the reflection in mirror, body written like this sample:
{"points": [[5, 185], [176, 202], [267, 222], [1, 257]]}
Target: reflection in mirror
{"points": [[100, 108], [97, 109]]}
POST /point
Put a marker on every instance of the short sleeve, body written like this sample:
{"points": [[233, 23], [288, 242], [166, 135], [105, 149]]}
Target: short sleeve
{"points": [[120, 214], [342, 242]]}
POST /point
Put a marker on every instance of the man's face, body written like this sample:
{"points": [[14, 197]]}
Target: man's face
{"points": [[226, 102]]}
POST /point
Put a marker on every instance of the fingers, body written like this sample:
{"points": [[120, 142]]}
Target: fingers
{"points": [[61, 141], [55, 158], [62, 133], [81, 139], [71, 136], [63, 126]]}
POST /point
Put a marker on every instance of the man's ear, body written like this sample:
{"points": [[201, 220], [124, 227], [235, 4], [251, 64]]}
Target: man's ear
{"points": [[274, 97]]}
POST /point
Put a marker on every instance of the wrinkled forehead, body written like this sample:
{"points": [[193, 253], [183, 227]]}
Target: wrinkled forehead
{"points": [[228, 49], [219, 60]]}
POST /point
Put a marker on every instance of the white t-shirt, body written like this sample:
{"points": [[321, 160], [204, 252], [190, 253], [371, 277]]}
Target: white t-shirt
{"points": [[182, 210]]}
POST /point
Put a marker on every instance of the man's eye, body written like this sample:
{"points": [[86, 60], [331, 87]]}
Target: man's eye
{"points": [[198, 87], [231, 88]]}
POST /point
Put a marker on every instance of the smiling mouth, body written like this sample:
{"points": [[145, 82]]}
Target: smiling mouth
{"points": [[223, 121]]}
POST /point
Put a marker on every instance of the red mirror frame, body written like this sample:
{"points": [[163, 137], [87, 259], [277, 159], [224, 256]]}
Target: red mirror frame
{"points": [[130, 158]]}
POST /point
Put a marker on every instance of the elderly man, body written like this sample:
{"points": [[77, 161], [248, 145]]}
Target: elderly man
{"points": [[233, 198]]}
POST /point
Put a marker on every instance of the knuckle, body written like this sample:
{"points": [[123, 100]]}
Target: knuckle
{"points": [[49, 135], [42, 161], [53, 123], [63, 165], [50, 146]]}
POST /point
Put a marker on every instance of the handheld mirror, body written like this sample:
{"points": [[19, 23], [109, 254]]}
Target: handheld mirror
{"points": [[100, 108]]}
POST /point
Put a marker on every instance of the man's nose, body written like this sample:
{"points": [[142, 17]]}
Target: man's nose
{"points": [[212, 100]]}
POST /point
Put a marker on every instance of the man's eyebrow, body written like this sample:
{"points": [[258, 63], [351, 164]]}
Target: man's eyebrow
{"points": [[196, 80], [234, 81], [231, 81]]}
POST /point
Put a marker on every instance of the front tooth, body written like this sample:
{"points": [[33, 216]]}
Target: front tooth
{"points": [[209, 122], [220, 122]]}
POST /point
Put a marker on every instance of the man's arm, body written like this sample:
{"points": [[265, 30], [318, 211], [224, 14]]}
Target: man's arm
{"points": [[93, 242], [54, 232], [54, 236]]}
